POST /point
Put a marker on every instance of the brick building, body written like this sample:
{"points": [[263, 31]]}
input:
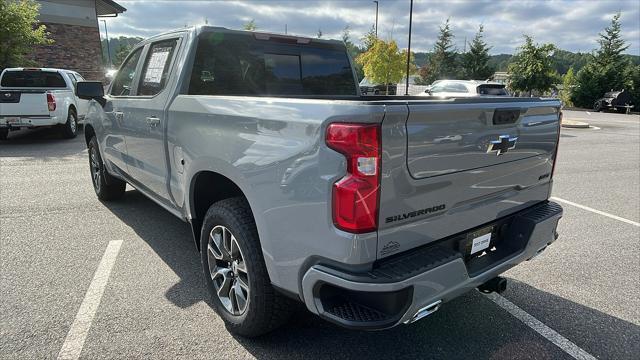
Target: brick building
{"points": [[74, 27]]}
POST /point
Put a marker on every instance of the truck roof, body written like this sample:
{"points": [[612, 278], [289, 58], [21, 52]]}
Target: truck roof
{"points": [[198, 29], [36, 69]]}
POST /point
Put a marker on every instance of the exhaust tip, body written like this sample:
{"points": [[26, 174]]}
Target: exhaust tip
{"points": [[498, 284], [425, 311]]}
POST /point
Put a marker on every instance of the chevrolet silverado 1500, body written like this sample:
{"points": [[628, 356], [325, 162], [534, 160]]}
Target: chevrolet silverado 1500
{"points": [[371, 211]]}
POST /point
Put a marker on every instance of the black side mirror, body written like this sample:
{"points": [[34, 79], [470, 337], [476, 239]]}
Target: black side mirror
{"points": [[91, 90]]}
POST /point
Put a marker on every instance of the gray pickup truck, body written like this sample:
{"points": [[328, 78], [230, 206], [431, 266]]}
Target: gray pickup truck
{"points": [[371, 211]]}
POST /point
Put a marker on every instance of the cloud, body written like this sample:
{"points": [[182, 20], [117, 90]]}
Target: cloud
{"points": [[570, 24]]}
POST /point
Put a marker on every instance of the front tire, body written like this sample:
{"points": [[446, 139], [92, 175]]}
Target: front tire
{"points": [[70, 128], [235, 272], [106, 186], [597, 106]]}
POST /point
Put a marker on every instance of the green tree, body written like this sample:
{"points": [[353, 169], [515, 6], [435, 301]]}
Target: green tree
{"points": [[442, 63], [633, 78], [607, 69], [383, 63], [369, 38], [20, 30], [568, 84], [353, 50], [250, 26], [531, 68], [121, 54], [475, 63]]}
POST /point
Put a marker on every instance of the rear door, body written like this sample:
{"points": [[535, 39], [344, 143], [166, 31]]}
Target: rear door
{"points": [[146, 117], [449, 166]]}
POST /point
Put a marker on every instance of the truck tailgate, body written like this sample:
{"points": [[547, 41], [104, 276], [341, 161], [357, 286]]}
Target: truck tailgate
{"points": [[15, 102], [451, 166]]}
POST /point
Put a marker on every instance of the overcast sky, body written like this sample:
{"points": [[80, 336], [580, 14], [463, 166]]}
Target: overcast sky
{"points": [[570, 24]]}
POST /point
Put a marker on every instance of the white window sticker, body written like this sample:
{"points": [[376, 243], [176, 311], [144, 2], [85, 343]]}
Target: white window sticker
{"points": [[156, 65]]}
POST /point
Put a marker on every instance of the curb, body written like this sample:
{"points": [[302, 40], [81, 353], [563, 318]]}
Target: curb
{"points": [[573, 124]]}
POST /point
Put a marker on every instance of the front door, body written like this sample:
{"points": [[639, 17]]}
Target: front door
{"points": [[116, 108], [146, 118]]}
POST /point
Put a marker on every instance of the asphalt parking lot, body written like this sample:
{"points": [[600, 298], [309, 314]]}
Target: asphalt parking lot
{"points": [[54, 233]]}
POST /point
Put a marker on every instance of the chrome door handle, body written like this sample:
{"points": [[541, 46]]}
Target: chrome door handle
{"points": [[153, 121]]}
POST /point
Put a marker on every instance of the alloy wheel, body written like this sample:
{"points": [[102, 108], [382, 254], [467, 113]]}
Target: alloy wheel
{"points": [[94, 165], [228, 270]]}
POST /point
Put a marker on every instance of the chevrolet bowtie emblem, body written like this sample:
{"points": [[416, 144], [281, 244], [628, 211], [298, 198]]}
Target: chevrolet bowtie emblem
{"points": [[502, 145]]}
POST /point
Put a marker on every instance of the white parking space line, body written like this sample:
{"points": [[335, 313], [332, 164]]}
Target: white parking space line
{"points": [[77, 334], [596, 211], [542, 329]]}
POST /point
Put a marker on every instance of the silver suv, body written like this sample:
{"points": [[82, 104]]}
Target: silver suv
{"points": [[465, 88]]}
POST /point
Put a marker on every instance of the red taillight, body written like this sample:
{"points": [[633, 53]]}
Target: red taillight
{"points": [[355, 196], [51, 102], [555, 151]]}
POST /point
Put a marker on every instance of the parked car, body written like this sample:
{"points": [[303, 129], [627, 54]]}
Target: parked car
{"points": [[465, 88], [299, 189], [613, 100], [37, 97], [369, 88]]}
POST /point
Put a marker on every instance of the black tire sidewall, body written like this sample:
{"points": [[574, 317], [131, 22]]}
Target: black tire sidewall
{"points": [[93, 146], [68, 131], [217, 216], [266, 309]]}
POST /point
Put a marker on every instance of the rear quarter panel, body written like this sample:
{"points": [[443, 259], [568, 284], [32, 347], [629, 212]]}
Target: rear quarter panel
{"points": [[273, 149]]}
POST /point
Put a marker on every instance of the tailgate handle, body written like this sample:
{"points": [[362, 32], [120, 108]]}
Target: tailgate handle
{"points": [[505, 116]]}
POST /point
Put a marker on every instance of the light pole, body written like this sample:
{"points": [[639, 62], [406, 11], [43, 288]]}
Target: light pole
{"points": [[376, 18], [106, 34], [406, 89]]}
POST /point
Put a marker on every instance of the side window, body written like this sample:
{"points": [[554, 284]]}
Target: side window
{"points": [[156, 67], [455, 88], [124, 79], [73, 79], [78, 77]]}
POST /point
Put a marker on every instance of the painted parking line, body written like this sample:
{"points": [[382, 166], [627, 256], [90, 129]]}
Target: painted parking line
{"points": [[77, 334], [596, 211], [548, 333]]}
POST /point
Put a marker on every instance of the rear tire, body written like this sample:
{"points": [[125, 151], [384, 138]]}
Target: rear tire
{"points": [[4, 133], [106, 186], [70, 128], [236, 275]]}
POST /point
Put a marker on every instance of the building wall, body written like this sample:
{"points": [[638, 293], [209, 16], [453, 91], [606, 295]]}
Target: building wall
{"points": [[76, 48], [70, 12]]}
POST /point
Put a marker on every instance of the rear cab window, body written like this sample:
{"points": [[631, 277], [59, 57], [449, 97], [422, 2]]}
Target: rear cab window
{"points": [[32, 79], [494, 90], [228, 63]]}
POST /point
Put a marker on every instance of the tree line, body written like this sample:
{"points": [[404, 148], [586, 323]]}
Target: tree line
{"points": [[535, 69]]}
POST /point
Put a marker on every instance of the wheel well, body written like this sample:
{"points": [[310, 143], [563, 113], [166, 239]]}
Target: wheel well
{"points": [[88, 133], [73, 107], [207, 188]]}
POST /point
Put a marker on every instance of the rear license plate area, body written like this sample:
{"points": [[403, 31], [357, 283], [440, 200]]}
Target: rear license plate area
{"points": [[479, 242]]}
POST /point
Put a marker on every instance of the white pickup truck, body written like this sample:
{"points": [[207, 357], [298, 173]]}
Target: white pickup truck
{"points": [[35, 97]]}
